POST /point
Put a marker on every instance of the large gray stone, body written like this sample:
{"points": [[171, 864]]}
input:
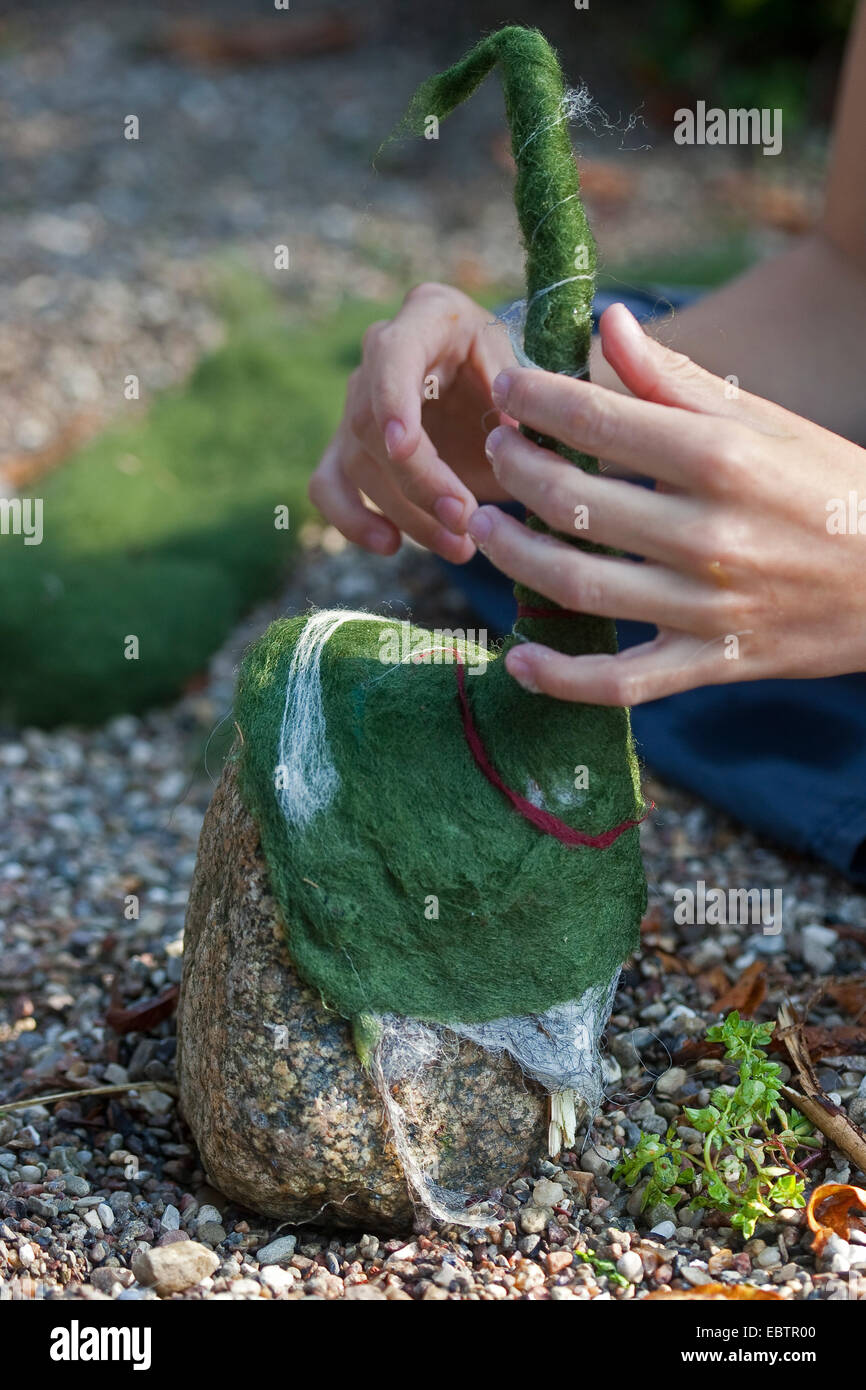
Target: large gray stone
{"points": [[287, 1121]]}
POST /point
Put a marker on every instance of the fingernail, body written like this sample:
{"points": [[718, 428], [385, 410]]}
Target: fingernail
{"points": [[449, 510], [493, 441], [519, 666], [500, 388], [395, 433], [633, 325], [480, 526]]}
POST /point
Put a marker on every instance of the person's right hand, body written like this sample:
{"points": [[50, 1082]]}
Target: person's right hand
{"points": [[420, 461]]}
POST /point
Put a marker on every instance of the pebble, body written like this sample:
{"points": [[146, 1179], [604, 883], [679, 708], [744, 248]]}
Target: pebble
{"points": [[694, 1275], [671, 1081], [592, 1162], [558, 1260], [174, 1267], [630, 1266], [281, 1250], [170, 1219], [816, 943], [207, 1213], [211, 1232], [661, 1213], [663, 1229], [76, 1186], [533, 1220], [106, 1277], [547, 1193], [278, 1278]]}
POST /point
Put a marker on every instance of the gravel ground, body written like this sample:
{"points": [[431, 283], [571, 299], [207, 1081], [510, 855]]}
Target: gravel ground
{"points": [[89, 1185], [107, 252]]}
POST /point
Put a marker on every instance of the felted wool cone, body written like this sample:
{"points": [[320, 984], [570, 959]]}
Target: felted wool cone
{"points": [[441, 863]]}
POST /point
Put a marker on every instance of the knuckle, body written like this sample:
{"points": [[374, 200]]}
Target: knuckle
{"points": [[504, 468], [314, 487], [674, 368], [597, 421], [627, 689], [360, 417], [413, 489], [583, 590], [731, 461], [561, 504], [721, 543], [372, 332], [681, 365], [521, 395], [427, 289], [318, 490]]}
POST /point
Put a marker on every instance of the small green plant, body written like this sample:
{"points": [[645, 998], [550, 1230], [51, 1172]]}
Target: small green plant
{"points": [[606, 1267], [745, 1134]]}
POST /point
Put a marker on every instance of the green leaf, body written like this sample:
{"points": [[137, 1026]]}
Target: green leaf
{"points": [[704, 1120]]}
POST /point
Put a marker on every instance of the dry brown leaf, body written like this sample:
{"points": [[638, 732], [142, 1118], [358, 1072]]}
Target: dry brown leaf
{"points": [[257, 40], [652, 922], [696, 1049], [835, 1217], [672, 965], [738, 1292], [19, 470], [146, 1014], [747, 994], [850, 933], [849, 994], [818, 1108], [714, 981]]}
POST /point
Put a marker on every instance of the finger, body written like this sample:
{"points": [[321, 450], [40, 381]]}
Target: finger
{"points": [[424, 529], [657, 373], [598, 584], [673, 662], [385, 412], [398, 354], [673, 445], [427, 483], [338, 500], [670, 529]]}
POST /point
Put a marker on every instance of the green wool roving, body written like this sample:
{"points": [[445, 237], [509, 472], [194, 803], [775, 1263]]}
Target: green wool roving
{"points": [[449, 851]]}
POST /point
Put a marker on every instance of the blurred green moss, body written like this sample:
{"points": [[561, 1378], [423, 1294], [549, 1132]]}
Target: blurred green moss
{"points": [[164, 529]]}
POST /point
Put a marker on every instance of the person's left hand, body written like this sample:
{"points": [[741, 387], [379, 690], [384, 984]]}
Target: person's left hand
{"points": [[742, 572]]}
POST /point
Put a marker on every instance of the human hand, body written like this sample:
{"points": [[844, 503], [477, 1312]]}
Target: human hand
{"points": [[422, 462], [741, 573]]}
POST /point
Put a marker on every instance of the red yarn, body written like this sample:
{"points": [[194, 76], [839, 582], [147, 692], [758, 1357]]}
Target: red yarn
{"points": [[542, 820], [524, 611]]}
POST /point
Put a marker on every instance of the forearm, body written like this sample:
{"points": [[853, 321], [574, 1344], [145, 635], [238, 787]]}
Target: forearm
{"points": [[790, 330]]}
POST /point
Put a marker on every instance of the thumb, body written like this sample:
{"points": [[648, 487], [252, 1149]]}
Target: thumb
{"points": [[656, 373]]}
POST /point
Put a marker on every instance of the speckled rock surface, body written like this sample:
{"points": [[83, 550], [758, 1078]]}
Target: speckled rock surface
{"points": [[285, 1118]]}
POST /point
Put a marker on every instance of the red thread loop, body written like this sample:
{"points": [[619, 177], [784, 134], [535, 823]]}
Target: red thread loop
{"points": [[525, 611], [542, 820]]}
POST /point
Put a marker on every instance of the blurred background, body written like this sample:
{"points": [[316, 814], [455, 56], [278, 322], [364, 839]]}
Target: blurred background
{"points": [[259, 127]]}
